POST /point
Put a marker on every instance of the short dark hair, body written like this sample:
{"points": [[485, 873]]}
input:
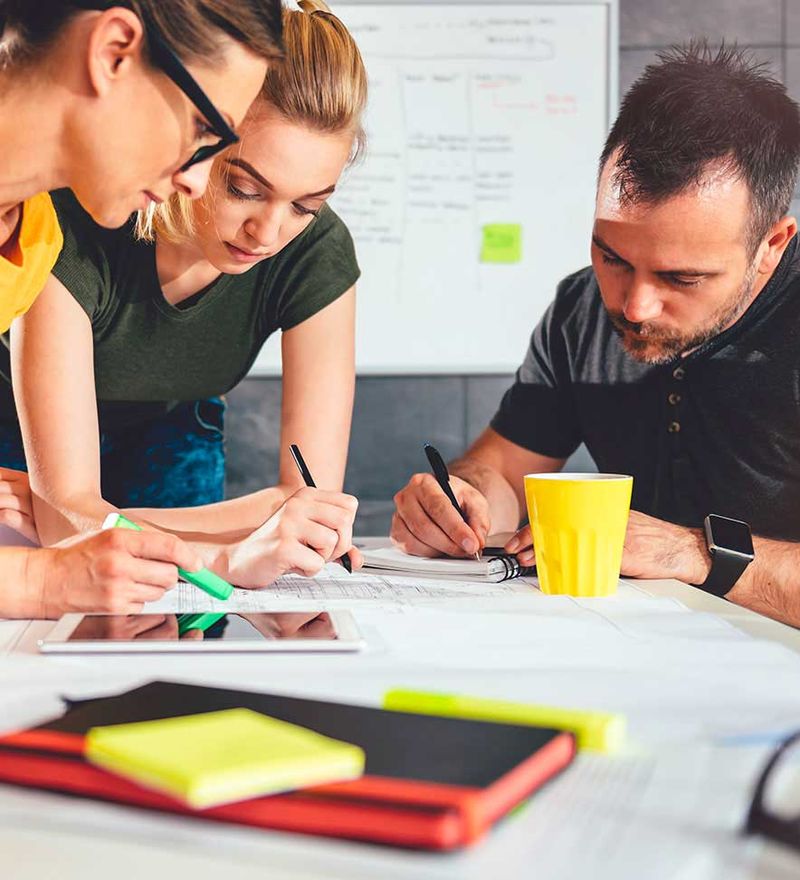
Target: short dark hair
{"points": [[698, 106]]}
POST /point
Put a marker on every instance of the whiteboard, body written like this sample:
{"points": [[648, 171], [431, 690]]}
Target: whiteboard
{"points": [[484, 126]]}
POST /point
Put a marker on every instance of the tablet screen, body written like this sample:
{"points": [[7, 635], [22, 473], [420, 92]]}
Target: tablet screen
{"points": [[293, 625]]}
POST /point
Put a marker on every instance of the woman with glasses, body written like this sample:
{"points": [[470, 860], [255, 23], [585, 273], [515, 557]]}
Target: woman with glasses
{"points": [[121, 101], [149, 333]]}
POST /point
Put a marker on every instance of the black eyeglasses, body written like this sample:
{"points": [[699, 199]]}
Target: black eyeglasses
{"points": [[782, 772], [168, 62]]}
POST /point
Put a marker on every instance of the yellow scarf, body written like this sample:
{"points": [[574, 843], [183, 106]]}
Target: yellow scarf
{"points": [[23, 276]]}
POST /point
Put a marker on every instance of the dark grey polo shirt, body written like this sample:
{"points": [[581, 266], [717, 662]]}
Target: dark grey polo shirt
{"points": [[715, 432]]}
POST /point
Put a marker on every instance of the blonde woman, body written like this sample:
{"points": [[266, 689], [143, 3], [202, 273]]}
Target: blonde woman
{"points": [[146, 335], [123, 103]]}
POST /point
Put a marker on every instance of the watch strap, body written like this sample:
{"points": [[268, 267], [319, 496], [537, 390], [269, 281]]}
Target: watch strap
{"points": [[726, 569]]}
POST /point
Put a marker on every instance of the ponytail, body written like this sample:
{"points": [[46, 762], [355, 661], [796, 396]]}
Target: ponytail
{"points": [[320, 84]]}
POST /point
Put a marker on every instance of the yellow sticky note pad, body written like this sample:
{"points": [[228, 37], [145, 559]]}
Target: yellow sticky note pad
{"points": [[220, 757], [596, 731], [502, 243]]}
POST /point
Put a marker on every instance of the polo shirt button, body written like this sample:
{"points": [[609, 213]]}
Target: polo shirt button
{"points": [[674, 399], [678, 373], [674, 427]]}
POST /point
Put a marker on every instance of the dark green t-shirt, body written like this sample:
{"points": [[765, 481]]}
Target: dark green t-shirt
{"points": [[149, 354]]}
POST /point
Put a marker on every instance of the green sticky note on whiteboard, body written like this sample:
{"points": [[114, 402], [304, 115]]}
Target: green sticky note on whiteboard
{"points": [[502, 243]]}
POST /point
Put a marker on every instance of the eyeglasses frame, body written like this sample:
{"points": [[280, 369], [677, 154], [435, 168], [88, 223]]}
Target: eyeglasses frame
{"points": [[759, 821], [165, 59]]}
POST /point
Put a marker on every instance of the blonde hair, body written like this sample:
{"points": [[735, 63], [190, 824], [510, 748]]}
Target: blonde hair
{"points": [[320, 83]]}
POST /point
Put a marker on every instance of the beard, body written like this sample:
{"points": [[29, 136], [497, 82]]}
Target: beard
{"points": [[649, 344]]}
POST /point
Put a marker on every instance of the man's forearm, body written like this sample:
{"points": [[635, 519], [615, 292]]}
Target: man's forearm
{"points": [[771, 583], [503, 502]]}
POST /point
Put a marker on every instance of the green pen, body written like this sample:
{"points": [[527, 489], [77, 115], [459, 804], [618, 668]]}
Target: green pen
{"points": [[201, 621], [209, 582]]}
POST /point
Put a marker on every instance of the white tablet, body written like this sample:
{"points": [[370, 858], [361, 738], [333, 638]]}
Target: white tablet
{"points": [[274, 631]]}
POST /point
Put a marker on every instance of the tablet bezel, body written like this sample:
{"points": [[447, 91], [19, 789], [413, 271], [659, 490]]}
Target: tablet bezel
{"points": [[349, 639]]}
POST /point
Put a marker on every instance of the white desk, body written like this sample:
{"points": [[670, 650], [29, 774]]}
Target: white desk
{"points": [[748, 621], [667, 809]]}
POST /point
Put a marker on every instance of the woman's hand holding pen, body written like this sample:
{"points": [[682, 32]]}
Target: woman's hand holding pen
{"points": [[313, 527], [425, 522]]}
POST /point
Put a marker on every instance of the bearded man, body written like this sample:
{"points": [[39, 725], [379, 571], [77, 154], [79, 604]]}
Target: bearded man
{"points": [[675, 357]]}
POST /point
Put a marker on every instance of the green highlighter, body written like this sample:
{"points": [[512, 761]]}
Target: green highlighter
{"points": [[209, 582], [197, 621]]}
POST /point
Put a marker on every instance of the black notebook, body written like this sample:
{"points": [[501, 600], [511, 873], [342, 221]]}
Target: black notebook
{"points": [[430, 782], [398, 744], [491, 567]]}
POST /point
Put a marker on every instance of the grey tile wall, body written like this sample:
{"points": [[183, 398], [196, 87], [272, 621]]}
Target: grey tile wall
{"points": [[648, 23], [392, 418], [792, 23], [394, 415]]}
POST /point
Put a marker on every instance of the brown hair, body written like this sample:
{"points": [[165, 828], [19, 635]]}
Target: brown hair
{"points": [[320, 83], [191, 28]]}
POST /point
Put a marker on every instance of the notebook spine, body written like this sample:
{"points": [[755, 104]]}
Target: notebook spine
{"points": [[511, 566]]}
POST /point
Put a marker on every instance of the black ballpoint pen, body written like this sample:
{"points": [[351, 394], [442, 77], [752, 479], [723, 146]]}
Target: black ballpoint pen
{"points": [[439, 469], [305, 473]]}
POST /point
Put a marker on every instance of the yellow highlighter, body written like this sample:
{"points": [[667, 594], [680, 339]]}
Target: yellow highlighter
{"points": [[595, 731]]}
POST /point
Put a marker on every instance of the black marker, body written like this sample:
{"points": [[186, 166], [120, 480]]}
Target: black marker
{"points": [[439, 469], [305, 473]]}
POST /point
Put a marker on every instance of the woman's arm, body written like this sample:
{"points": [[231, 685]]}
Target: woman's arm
{"points": [[317, 407], [52, 357], [318, 387], [53, 371], [53, 367]]}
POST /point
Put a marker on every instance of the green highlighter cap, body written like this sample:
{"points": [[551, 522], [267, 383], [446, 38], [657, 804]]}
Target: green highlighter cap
{"points": [[209, 582]]}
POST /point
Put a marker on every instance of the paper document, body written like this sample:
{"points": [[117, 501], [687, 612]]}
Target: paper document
{"points": [[332, 589], [671, 817]]}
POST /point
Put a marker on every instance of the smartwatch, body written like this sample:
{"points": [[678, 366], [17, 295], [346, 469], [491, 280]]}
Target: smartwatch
{"points": [[730, 545]]}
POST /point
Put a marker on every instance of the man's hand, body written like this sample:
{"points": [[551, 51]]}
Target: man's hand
{"points": [[425, 523], [653, 549], [115, 571], [311, 528], [521, 546], [658, 549]]}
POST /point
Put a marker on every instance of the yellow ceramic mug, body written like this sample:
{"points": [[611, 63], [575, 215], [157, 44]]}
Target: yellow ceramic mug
{"points": [[578, 523]]}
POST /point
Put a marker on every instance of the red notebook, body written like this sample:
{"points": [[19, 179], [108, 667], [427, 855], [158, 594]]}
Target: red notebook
{"points": [[430, 783]]}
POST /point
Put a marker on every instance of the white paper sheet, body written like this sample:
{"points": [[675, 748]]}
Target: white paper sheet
{"points": [[678, 675], [331, 589]]}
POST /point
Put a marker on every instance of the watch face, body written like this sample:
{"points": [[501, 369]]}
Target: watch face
{"points": [[731, 534]]}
